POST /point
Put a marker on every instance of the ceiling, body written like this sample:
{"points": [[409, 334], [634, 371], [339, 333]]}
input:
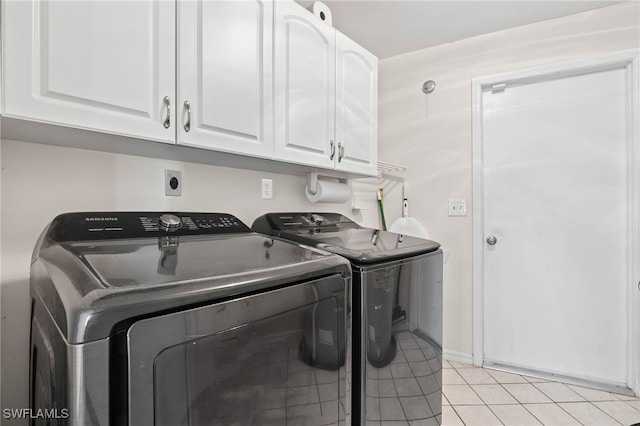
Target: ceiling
{"points": [[392, 27]]}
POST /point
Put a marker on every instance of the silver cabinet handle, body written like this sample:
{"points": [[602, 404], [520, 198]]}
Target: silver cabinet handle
{"points": [[187, 125], [333, 150], [340, 152], [167, 119], [492, 240]]}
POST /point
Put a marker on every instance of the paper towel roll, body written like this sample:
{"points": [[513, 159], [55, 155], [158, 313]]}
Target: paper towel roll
{"points": [[329, 192], [323, 12]]}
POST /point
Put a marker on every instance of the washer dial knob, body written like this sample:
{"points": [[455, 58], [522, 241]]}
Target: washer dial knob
{"points": [[169, 222]]}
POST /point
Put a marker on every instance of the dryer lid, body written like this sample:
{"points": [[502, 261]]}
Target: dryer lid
{"points": [[364, 245], [338, 234]]}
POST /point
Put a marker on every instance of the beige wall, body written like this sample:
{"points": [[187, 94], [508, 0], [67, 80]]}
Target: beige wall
{"points": [[431, 134], [40, 181]]}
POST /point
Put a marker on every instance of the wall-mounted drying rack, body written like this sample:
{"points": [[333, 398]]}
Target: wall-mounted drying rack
{"points": [[388, 177], [389, 170]]}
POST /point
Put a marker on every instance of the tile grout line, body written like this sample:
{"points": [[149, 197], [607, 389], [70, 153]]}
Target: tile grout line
{"points": [[513, 405], [556, 403], [607, 414], [476, 394], [509, 393], [568, 402], [520, 403], [523, 404], [471, 386], [602, 411], [628, 402], [394, 383], [413, 376], [458, 414]]}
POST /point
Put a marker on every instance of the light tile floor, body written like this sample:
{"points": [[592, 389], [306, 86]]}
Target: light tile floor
{"points": [[482, 397]]}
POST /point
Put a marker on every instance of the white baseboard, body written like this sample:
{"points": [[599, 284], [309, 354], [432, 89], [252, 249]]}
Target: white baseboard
{"points": [[457, 356]]}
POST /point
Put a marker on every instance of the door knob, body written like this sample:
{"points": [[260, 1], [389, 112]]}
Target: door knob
{"points": [[492, 240]]}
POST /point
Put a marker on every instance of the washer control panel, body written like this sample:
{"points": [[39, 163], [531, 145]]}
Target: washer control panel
{"points": [[117, 225]]}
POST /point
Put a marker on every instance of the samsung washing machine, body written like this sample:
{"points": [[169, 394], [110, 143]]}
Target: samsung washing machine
{"points": [[143, 318], [397, 305]]}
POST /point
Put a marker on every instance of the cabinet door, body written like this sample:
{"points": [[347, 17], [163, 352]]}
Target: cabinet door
{"points": [[356, 107], [225, 61], [305, 86], [94, 64]]}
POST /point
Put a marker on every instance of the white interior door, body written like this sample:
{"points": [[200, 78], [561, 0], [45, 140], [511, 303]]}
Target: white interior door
{"points": [[555, 183]]}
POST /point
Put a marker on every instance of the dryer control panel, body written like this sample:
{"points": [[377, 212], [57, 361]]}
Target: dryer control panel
{"points": [[91, 226], [290, 221]]}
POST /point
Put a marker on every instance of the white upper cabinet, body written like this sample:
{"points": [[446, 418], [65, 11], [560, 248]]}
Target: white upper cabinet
{"points": [[101, 65], [304, 87], [356, 107], [326, 94], [261, 78], [224, 76]]}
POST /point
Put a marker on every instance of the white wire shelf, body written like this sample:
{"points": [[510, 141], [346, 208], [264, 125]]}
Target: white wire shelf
{"points": [[385, 168]]}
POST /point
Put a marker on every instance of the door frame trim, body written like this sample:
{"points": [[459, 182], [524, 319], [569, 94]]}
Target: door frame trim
{"points": [[628, 60]]}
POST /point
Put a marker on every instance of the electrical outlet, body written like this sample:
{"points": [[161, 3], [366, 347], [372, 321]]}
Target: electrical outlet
{"points": [[457, 207], [267, 189], [173, 183]]}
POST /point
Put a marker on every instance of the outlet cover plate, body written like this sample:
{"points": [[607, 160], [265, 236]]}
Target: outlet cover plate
{"points": [[267, 189], [173, 183]]}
